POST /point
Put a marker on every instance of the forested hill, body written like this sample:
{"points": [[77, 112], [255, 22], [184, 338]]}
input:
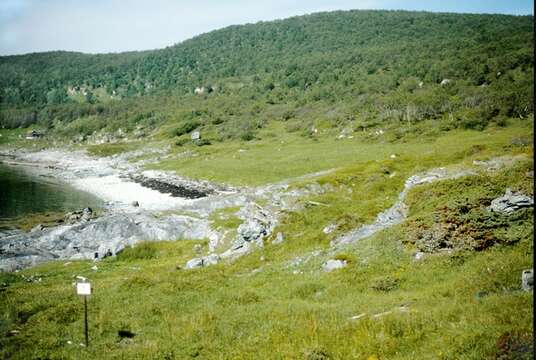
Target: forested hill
{"points": [[363, 56]]}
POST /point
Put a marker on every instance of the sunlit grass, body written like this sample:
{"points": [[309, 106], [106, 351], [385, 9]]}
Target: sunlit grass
{"points": [[446, 306]]}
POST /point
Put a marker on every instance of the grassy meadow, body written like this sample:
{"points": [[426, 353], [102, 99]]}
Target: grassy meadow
{"points": [[466, 303]]}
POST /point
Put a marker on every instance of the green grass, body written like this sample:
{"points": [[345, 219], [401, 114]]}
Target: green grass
{"points": [[457, 305], [289, 155], [228, 311], [29, 221]]}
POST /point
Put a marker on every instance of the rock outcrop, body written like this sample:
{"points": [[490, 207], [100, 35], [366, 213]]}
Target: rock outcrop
{"points": [[510, 202], [96, 238]]}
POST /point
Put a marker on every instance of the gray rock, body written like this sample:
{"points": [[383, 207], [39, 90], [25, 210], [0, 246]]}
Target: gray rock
{"points": [[135, 203], [194, 263], [258, 224], [510, 202], [106, 235], [331, 265], [251, 230], [527, 278]]}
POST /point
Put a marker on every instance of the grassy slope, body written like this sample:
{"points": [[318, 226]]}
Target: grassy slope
{"points": [[460, 304], [274, 159]]}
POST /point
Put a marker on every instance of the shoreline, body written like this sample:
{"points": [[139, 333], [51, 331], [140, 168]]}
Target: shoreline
{"points": [[137, 213]]}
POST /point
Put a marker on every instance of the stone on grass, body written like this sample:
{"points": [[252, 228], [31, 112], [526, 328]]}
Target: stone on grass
{"points": [[527, 278], [332, 264], [419, 255], [208, 260], [329, 229], [278, 239], [510, 202]]}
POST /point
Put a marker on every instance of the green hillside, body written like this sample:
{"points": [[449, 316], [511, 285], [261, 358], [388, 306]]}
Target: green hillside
{"points": [[375, 66]]}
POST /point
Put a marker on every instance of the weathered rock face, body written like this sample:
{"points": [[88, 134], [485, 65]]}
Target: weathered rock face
{"points": [[107, 234], [258, 224], [527, 279], [511, 202]]}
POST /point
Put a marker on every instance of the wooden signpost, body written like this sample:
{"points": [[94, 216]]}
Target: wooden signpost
{"points": [[83, 287]]}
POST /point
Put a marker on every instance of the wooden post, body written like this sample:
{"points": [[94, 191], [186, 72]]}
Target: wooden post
{"points": [[85, 320]]}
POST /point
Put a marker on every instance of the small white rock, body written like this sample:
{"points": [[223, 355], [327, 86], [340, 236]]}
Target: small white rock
{"points": [[419, 255], [332, 264], [329, 229]]}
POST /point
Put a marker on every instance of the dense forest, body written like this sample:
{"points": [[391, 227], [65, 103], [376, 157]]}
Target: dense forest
{"points": [[358, 68]]}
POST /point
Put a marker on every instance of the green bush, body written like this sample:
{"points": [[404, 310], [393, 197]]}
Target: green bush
{"points": [[385, 284], [181, 142], [141, 251], [247, 135], [203, 142], [185, 127]]}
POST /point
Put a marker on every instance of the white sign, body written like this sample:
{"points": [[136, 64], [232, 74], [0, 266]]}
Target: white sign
{"points": [[83, 288]]}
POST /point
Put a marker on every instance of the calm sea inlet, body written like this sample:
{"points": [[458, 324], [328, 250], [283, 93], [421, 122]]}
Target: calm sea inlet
{"points": [[24, 192]]}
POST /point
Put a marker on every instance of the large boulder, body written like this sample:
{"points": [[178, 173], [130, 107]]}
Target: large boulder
{"points": [[251, 230], [511, 202]]}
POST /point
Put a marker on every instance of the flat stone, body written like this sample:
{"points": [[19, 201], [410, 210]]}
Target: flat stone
{"points": [[208, 260], [510, 202]]}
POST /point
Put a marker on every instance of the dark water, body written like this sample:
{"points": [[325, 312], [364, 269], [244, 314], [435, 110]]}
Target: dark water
{"points": [[24, 192]]}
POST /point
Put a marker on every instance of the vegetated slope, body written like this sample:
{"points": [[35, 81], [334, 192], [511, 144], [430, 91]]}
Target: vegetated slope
{"points": [[376, 65], [385, 304]]}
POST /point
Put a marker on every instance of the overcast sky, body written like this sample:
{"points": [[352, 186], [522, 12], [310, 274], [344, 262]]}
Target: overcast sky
{"points": [[96, 26]]}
